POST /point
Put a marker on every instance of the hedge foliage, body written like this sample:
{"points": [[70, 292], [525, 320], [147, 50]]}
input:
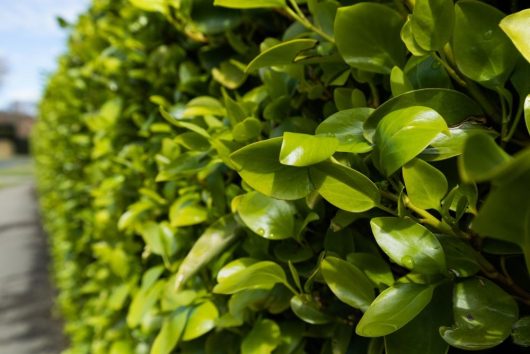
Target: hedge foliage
{"points": [[287, 177]]}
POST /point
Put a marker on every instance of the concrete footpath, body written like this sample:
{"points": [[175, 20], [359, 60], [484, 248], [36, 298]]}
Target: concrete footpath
{"points": [[26, 293]]}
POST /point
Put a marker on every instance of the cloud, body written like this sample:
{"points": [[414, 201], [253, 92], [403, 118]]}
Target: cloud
{"points": [[38, 16]]}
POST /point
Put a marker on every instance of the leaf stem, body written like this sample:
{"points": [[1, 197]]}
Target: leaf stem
{"points": [[516, 121], [299, 16], [375, 95], [505, 119], [442, 60], [387, 209]]}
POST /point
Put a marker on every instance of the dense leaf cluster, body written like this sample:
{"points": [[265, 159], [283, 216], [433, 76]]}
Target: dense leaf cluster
{"points": [[288, 177]]}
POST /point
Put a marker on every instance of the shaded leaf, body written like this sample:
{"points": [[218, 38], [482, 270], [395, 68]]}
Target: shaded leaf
{"points": [[483, 315]]}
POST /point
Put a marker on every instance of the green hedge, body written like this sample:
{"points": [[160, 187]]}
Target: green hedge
{"points": [[288, 177]]}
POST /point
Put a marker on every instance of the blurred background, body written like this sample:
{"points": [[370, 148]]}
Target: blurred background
{"points": [[31, 40]]}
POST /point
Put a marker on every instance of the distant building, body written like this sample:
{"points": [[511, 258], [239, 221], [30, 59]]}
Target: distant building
{"points": [[15, 130]]}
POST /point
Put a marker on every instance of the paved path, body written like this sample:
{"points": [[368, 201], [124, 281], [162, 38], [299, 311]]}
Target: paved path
{"points": [[26, 296]]}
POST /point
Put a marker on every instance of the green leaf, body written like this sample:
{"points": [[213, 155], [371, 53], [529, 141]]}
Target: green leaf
{"points": [[421, 335], [481, 49], [344, 187], [483, 315], [505, 214], [453, 106], [481, 159], [230, 74], [249, 4], [445, 146], [347, 127], [432, 23], [210, 244], [347, 282], [268, 217], [201, 320], [409, 244], [517, 27], [171, 331], [403, 134], [407, 36], [264, 337], [425, 184], [521, 332], [426, 72], [375, 268], [259, 166], [308, 309], [376, 46], [393, 309], [305, 150], [260, 275], [248, 129], [461, 258], [398, 82], [187, 211], [283, 53]]}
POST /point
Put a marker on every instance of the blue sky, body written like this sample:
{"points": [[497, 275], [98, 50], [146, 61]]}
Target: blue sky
{"points": [[30, 42]]}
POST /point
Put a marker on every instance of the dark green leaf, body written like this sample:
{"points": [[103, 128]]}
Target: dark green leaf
{"points": [[521, 332], [308, 309], [376, 46], [482, 50], [347, 282], [483, 314]]}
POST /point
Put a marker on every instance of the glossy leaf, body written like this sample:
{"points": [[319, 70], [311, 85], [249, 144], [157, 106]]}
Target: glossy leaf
{"points": [[393, 309], [399, 83], [376, 46], [264, 337], [283, 53], [267, 175], [403, 134], [527, 112], [210, 244], [260, 275], [477, 35], [305, 150], [409, 244], [201, 320], [483, 315], [308, 310], [425, 184], [249, 4], [517, 27], [344, 187], [453, 106], [347, 282], [421, 335], [347, 127], [268, 217], [432, 23]]}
